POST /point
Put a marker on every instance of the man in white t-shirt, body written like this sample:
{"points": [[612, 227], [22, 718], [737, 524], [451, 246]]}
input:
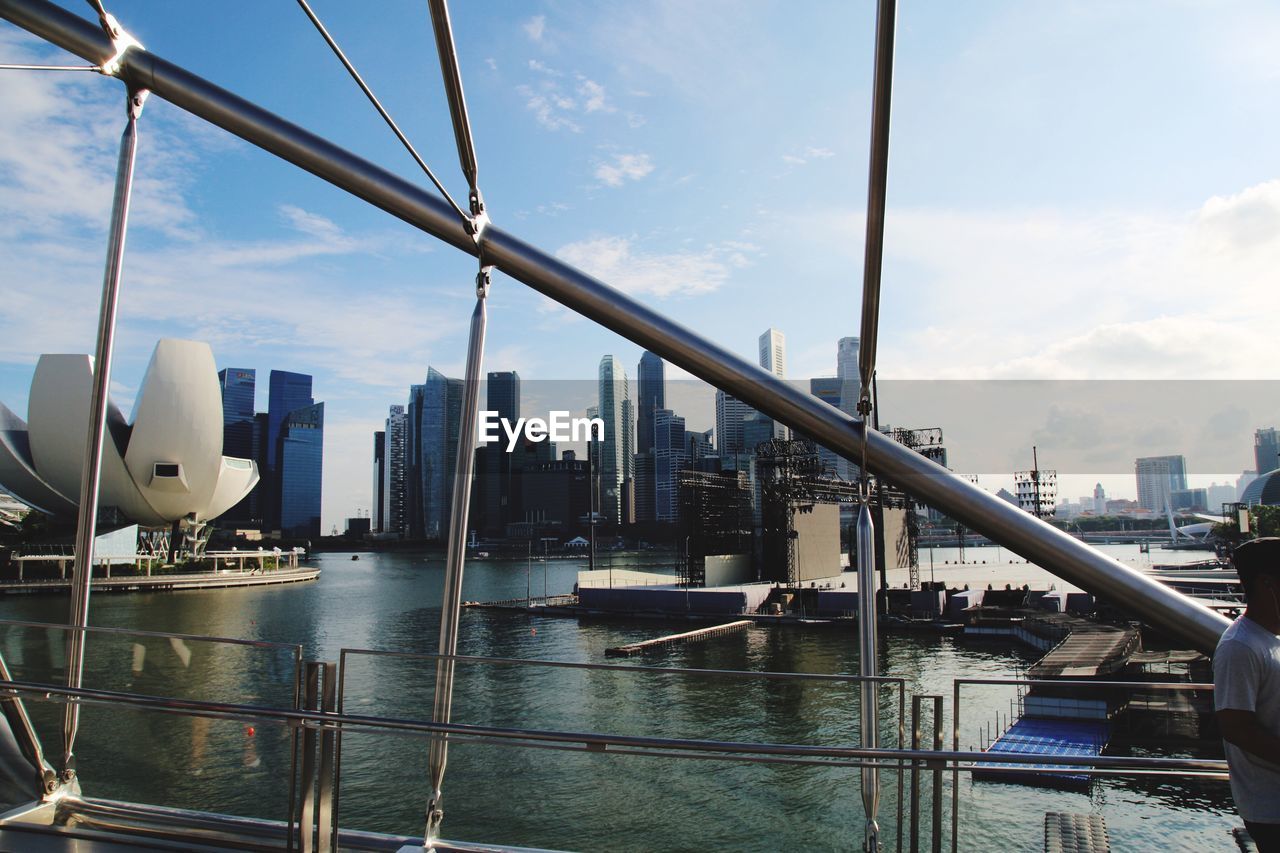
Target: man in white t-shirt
{"points": [[1246, 682]]}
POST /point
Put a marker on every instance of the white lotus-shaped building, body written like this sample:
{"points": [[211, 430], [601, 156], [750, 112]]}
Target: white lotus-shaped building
{"points": [[165, 466]]}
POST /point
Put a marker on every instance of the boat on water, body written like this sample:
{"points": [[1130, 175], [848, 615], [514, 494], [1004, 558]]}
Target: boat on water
{"points": [[52, 808]]}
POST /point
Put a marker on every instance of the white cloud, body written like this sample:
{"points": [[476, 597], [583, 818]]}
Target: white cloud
{"points": [[593, 96], [619, 263], [312, 224], [807, 155], [625, 167], [555, 105], [1075, 294], [535, 27], [543, 68], [549, 107]]}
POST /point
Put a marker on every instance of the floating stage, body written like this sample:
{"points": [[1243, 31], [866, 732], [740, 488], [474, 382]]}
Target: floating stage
{"points": [[1047, 737]]}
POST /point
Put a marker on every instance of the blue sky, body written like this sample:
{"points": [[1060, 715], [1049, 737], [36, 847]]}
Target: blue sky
{"points": [[1077, 190]]}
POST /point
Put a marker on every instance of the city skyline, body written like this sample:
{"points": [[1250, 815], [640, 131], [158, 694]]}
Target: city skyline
{"points": [[597, 128], [651, 480]]}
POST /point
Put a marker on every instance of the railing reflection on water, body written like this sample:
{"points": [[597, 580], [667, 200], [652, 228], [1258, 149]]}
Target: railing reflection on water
{"points": [[175, 762], [318, 718]]}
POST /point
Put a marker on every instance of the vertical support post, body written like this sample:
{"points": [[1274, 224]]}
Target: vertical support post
{"points": [[450, 606], [915, 775], [307, 798], [15, 712], [86, 524], [937, 776], [955, 774], [326, 839], [867, 662]]}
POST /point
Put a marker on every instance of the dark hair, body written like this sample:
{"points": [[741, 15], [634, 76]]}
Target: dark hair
{"points": [[1257, 557]]}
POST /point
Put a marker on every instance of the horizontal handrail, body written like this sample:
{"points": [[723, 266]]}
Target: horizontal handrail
{"points": [[668, 670], [199, 638], [1070, 682], [673, 747]]}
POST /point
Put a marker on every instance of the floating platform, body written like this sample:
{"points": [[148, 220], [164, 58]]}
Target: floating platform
{"points": [[157, 583], [1075, 833], [1047, 738], [1089, 651], [675, 639]]}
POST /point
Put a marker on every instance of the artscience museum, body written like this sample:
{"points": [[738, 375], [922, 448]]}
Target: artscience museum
{"points": [[163, 466]]}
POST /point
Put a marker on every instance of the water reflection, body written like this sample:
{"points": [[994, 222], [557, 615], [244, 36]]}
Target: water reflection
{"points": [[535, 796]]}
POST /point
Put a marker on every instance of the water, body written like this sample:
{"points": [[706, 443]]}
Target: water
{"points": [[540, 797]]}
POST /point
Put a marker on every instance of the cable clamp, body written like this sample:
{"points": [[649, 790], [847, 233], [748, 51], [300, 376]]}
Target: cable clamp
{"points": [[137, 100], [121, 40]]}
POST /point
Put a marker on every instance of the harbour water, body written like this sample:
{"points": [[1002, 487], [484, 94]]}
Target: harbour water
{"points": [[536, 797]]}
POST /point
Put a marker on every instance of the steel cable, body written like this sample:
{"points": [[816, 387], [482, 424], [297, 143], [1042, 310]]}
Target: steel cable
{"points": [[377, 105]]}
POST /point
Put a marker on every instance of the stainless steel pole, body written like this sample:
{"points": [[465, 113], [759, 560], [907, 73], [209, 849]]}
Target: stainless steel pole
{"points": [[87, 521], [867, 668], [449, 70], [877, 190], [1031, 538], [443, 708]]}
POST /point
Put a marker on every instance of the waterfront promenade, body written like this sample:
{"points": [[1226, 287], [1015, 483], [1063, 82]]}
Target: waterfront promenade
{"points": [[227, 569]]}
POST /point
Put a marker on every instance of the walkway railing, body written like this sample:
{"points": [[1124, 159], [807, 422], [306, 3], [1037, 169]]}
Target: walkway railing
{"points": [[317, 720]]}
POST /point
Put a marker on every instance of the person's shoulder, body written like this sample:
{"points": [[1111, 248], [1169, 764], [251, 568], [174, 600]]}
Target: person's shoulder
{"points": [[1238, 639], [1245, 637]]}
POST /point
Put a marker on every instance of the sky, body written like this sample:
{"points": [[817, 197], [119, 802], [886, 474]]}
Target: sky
{"points": [[1084, 191]]}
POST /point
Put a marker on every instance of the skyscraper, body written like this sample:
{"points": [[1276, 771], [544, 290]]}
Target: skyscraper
{"points": [[646, 488], [434, 473], [238, 386], [287, 392], [730, 413], [652, 394], [301, 461], [827, 389], [379, 498], [414, 509], [669, 458], [701, 444], [393, 489], [850, 390], [773, 358], [453, 431], [431, 424], [618, 448], [501, 491], [1266, 450], [847, 374], [773, 352], [1158, 478]]}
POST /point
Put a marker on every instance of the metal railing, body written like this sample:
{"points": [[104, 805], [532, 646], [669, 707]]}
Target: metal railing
{"points": [[1098, 766], [318, 720]]}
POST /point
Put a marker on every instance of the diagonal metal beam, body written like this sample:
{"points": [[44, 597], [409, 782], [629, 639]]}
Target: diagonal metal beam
{"points": [[1044, 545]]}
